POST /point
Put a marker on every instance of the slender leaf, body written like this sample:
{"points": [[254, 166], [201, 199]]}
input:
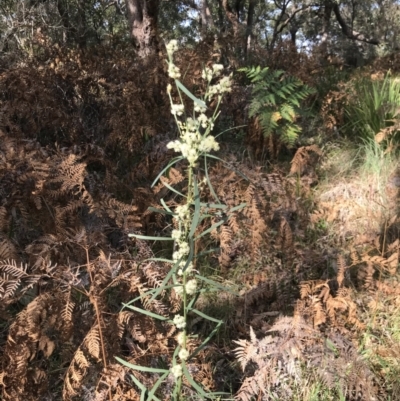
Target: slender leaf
{"points": [[215, 284], [204, 316], [214, 205], [231, 167], [153, 209], [163, 285], [196, 386], [146, 312], [213, 193], [141, 387], [170, 164], [160, 260], [238, 207], [171, 188], [155, 387], [205, 342], [166, 206], [183, 88], [196, 215], [145, 237], [207, 252], [230, 129], [213, 227], [140, 368]]}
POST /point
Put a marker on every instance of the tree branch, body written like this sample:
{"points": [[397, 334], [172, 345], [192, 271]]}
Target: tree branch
{"points": [[350, 33]]}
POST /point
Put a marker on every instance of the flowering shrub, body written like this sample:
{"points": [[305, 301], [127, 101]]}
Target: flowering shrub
{"points": [[195, 141]]}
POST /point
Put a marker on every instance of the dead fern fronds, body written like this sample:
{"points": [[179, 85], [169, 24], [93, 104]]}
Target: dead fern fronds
{"points": [[303, 159], [341, 269]]}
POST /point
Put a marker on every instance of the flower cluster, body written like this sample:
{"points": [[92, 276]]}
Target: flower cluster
{"points": [[172, 47], [195, 138], [191, 143], [173, 70], [179, 322], [223, 86], [177, 371], [210, 73], [177, 109]]}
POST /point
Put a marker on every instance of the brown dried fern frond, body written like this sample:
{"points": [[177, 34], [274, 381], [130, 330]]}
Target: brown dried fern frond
{"points": [[29, 340], [303, 159], [341, 269]]}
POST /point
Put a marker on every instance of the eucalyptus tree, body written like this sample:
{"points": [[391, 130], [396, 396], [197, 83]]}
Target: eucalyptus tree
{"points": [[335, 26], [143, 27]]}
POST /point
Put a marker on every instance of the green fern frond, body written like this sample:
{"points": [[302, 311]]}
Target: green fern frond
{"points": [[276, 100]]}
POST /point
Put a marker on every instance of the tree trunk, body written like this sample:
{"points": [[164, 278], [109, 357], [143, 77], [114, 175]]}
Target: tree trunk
{"points": [[142, 19], [206, 18], [75, 29], [249, 26], [326, 25], [231, 17]]}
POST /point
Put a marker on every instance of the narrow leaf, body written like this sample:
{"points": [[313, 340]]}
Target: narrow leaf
{"points": [[145, 237], [141, 387], [231, 167], [204, 316], [140, 368], [213, 227], [146, 312], [196, 215], [163, 284], [204, 343], [213, 283], [155, 387], [183, 88], [153, 209], [170, 164], [197, 387], [165, 206], [173, 189], [209, 182]]}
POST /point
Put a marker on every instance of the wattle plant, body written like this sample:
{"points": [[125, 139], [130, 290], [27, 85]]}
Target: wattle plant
{"points": [[195, 142]]}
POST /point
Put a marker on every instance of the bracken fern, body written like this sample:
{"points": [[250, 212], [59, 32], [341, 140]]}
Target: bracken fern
{"points": [[276, 101]]}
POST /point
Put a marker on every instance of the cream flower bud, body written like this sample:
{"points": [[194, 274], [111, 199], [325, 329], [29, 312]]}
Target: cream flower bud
{"points": [[184, 248], [178, 290], [183, 354], [225, 84], [217, 68], [207, 74], [177, 109], [191, 287], [176, 234], [203, 119], [199, 109], [176, 145], [188, 269], [179, 322], [172, 47], [173, 71], [182, 211], [177, 371]]}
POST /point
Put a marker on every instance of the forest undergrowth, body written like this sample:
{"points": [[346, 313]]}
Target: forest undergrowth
{"points": [[311, 261]]}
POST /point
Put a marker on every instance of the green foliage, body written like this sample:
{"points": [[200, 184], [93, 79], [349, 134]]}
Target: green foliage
{"points": [[276, 102], [373, 107]]}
